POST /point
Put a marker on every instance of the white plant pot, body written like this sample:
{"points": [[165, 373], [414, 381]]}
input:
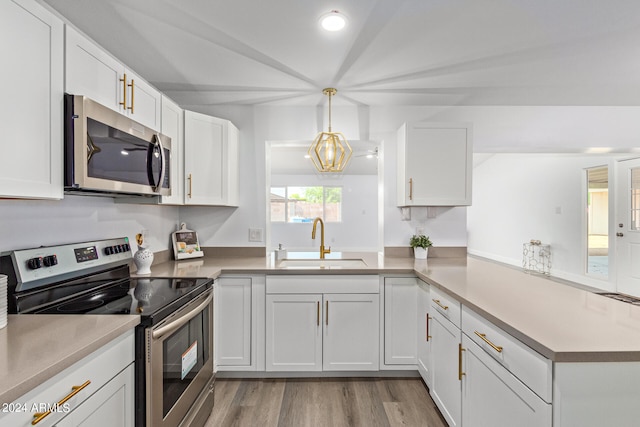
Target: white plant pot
{"points": [[143, 258], [420, 253]]}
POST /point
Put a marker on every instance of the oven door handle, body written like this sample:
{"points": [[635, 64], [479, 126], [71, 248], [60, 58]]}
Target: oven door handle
{"points": [[170, 327]]}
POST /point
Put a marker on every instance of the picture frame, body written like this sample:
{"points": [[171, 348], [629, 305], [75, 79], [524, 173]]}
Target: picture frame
{"points": [[186, 244]]}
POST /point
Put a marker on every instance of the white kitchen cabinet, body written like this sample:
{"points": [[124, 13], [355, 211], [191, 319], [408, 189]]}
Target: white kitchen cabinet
{"points": [[173, 127], [105, 395], [322, 332], [31, 115], [492, 396], [350, 341], [446, 352], [400, 312], [109, 406], [328, 323], [238, 310], [434, 164], [424, 332], [294, 332], [96, 74], [504, 380], [210, 160]]}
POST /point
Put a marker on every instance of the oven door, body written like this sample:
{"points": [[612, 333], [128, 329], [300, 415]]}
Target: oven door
{"points": [[179, 364]]}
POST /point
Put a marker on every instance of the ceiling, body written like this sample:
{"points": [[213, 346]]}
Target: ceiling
{"points": [[392, 52]]}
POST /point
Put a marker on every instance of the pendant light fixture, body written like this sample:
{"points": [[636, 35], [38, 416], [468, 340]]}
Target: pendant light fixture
{"points": [[330, 151]]}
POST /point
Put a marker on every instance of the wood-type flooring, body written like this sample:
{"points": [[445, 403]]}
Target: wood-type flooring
{"points": [[334, 402]]}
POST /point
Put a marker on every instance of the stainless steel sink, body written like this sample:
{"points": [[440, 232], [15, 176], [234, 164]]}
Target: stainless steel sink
{"points": [[322, 263]]}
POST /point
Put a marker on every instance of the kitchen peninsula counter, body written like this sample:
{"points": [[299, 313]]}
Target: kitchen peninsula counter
{"points": [[564, 323], [34, 348]]}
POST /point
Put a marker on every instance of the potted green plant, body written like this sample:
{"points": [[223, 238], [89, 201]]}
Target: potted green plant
{"points": [[420, 244]]}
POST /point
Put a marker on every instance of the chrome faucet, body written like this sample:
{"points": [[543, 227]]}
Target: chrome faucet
{"points": [[323, 251]]}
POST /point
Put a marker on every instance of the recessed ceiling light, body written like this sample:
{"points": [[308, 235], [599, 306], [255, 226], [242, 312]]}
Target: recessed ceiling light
{"points": [[333, 21]]}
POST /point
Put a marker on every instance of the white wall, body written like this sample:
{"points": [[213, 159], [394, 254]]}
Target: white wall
{"points": [[522, 196], [33, 223], [496, 129], [356, 232]]}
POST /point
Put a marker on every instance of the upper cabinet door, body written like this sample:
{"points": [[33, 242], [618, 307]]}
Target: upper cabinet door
{"points": [[94, 73], [434, 164], [210, 160], [173, 127], [31, 114]]}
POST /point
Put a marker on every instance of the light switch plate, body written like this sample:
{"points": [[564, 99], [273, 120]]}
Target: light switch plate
{"points": [[255, 234]]}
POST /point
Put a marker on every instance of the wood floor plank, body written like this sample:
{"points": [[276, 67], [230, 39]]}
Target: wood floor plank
{"points": [[330, 402]]}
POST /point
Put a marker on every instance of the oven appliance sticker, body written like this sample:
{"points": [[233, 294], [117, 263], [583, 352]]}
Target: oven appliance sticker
{"points": [[189, 358]]}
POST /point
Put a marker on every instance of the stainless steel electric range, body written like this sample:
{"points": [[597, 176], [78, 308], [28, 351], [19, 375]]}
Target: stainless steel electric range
{"points": [[174, 341]]}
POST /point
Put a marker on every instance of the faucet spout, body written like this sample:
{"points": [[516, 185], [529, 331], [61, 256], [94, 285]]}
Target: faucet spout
{"points": [[323, 251]]}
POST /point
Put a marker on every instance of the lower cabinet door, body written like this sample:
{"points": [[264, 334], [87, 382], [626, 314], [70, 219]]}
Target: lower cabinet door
{"points": [[446, 387], [233, 317], [424, 336], [111, 405], [351, 332], [294, 332], [493, 397]]}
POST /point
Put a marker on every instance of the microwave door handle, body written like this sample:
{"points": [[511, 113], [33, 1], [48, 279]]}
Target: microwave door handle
{"points": [[158, 187]]}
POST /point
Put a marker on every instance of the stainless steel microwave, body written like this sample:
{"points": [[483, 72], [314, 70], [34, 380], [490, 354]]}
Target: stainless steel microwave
{"points": [[106, 152]]}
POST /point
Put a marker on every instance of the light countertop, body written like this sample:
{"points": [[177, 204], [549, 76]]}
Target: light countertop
{"points": [[34, 348], [563, 323]]}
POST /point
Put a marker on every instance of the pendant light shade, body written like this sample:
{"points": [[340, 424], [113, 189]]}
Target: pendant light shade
{"points": [[330, 151]]}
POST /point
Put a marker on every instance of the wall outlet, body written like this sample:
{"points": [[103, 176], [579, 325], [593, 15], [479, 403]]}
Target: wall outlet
{"points": [[419, 230], [255, 234]]}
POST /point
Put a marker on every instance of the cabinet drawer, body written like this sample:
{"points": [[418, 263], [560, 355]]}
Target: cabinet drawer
{"points": [[327, 284], [445, 305], [527, 365], [99, 367]]}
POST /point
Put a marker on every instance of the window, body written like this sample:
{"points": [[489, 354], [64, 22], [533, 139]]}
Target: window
{"points": [[304, 204], [598, 221]]}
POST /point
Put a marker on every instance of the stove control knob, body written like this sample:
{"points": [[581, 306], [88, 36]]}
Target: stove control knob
{"points": [[108, 250], [127, 247], [50, 260], [34, 263]]}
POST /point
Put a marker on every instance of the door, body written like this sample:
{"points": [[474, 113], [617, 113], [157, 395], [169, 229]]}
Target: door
{"points": [[92, 72], [446, 388], [351, 332], [424, 335], [294, 332], [111, 405], [628, 227], [233, 315], [400, 311], [204, 139], [31, 113], [494, 397]]}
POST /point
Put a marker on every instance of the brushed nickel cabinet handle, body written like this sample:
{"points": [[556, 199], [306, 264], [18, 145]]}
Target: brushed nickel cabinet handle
{"points": [[428, 318], [190, 178], [485, 339], [318, 313], [39, 416]]}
